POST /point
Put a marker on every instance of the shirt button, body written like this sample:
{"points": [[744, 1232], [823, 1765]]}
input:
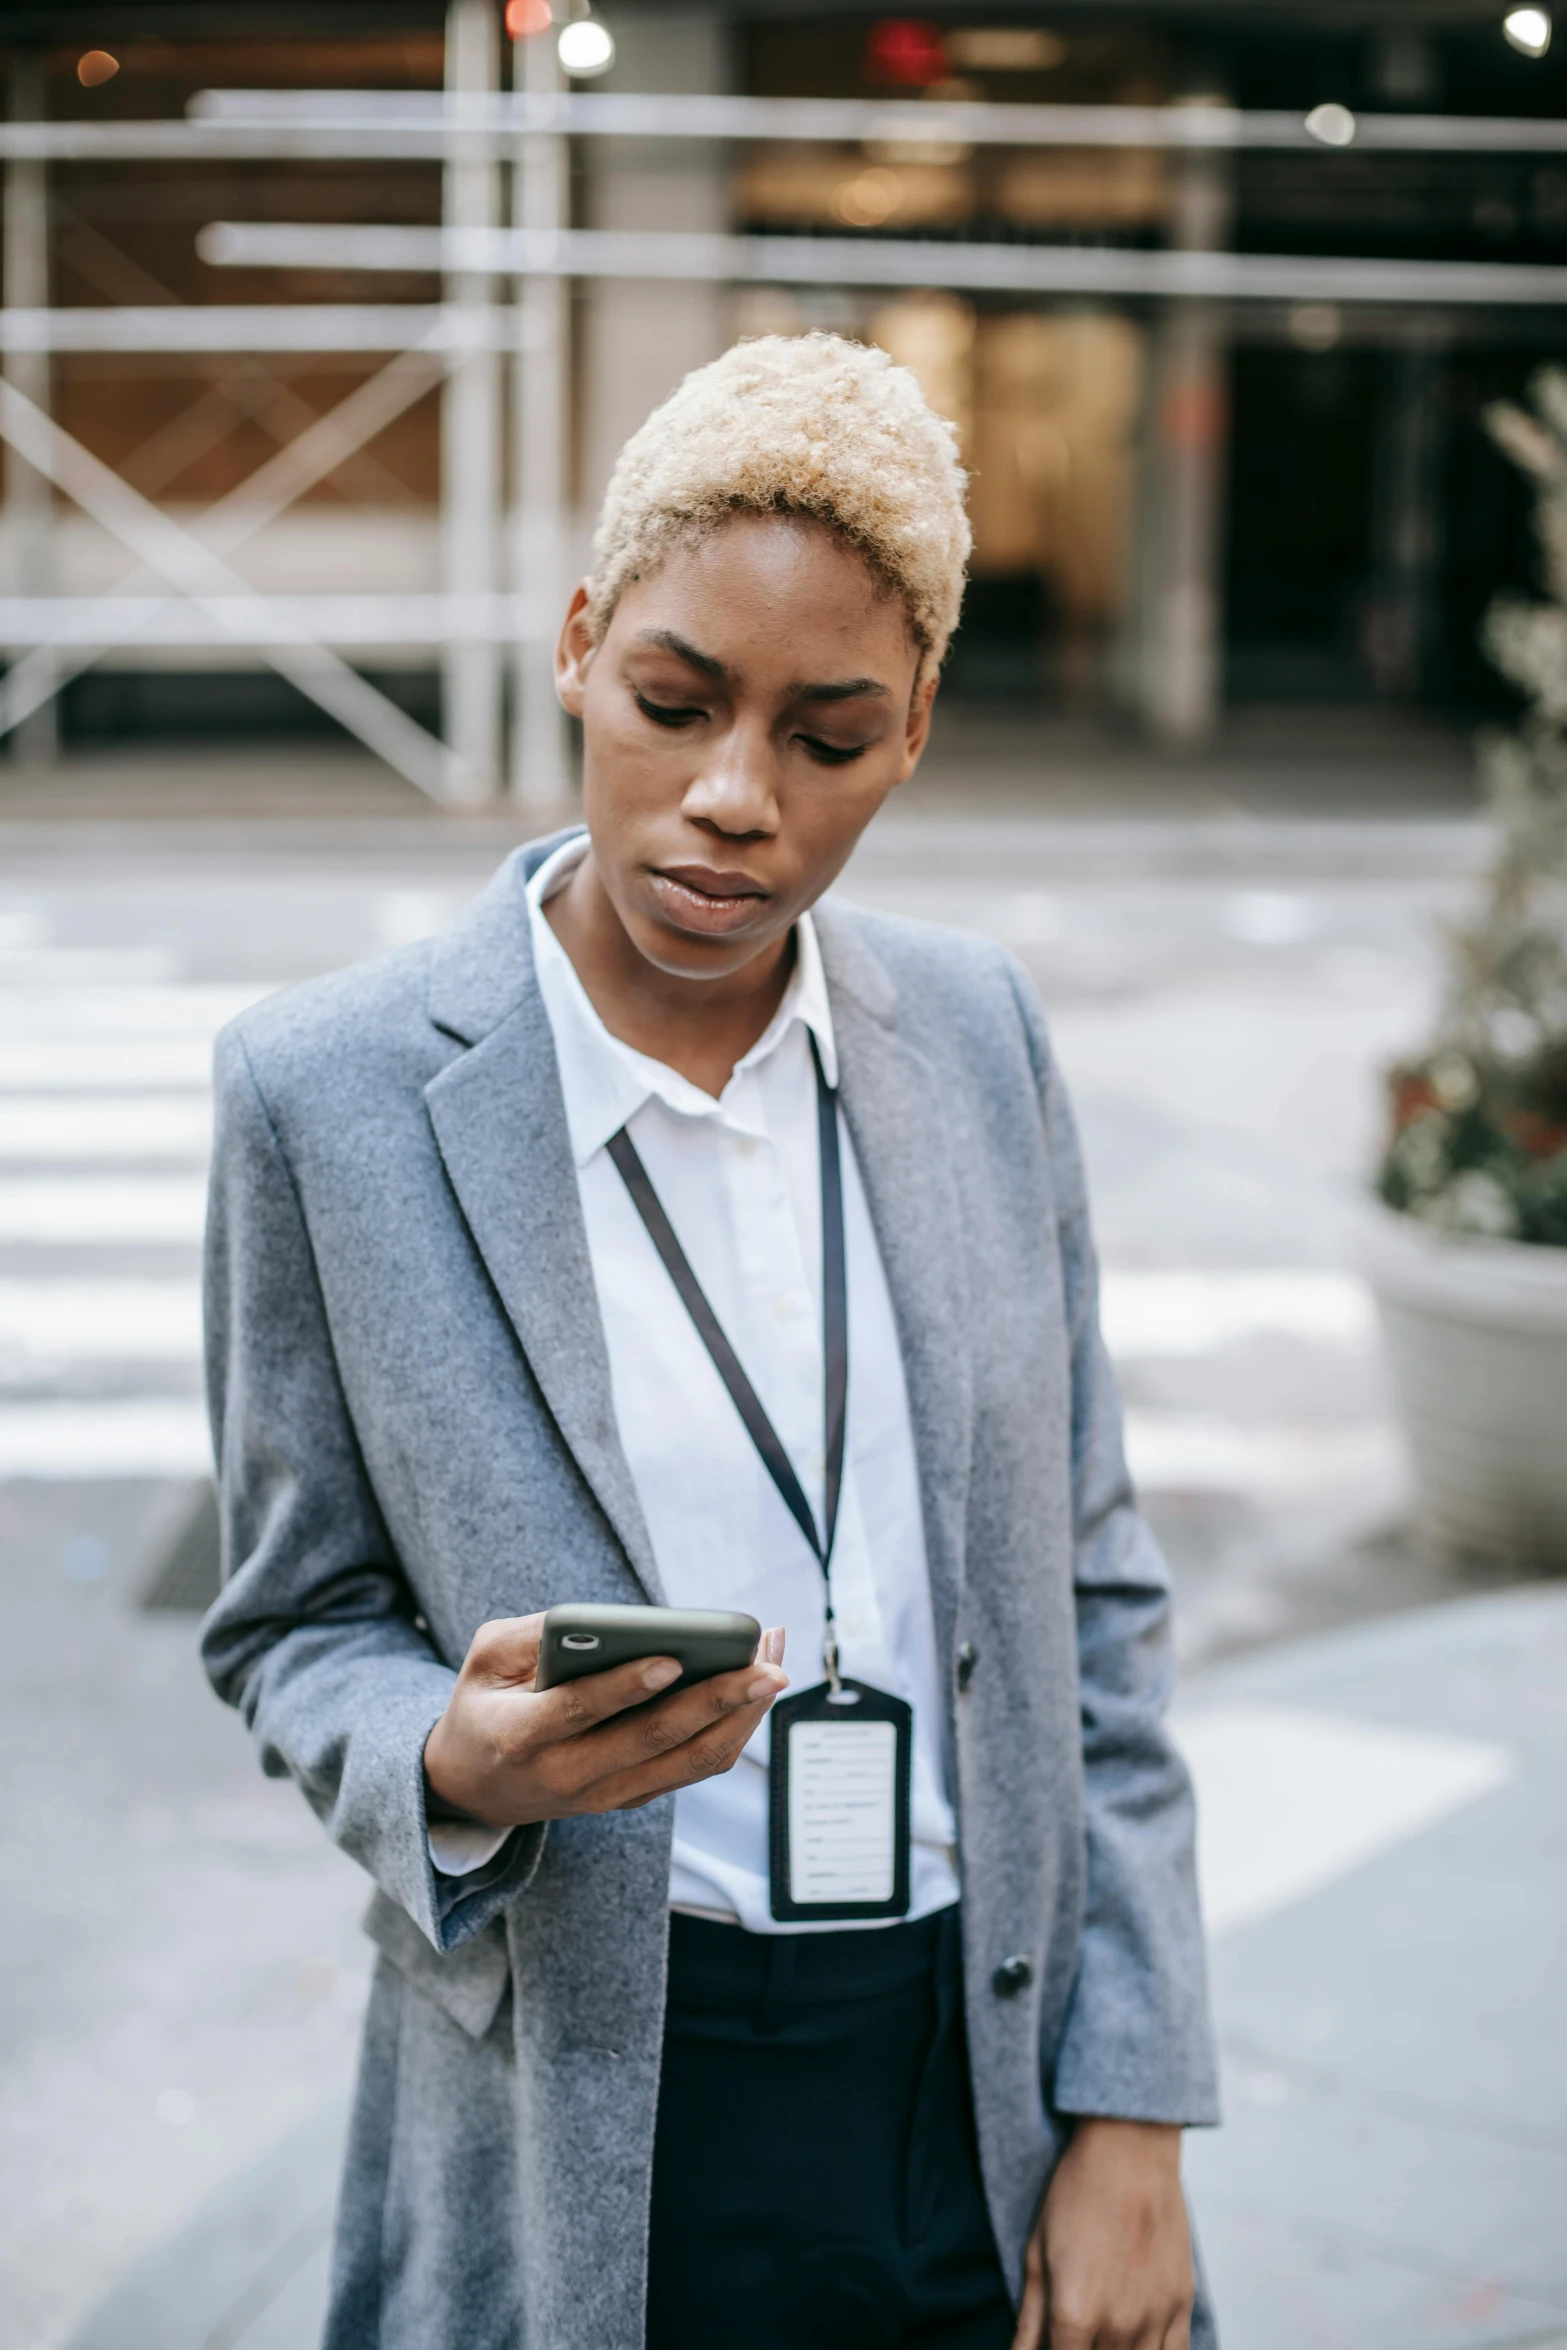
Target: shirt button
{"points": [[746, 1145], [1012, 1976], [967, 1659]]}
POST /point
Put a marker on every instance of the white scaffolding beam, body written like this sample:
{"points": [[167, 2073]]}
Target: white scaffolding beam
{"points": [[366, 126], [1123, 272], [262, 328], [540, 775], [309, 457], [29, 499], [180, 558], [364, 114], [470, 409]]}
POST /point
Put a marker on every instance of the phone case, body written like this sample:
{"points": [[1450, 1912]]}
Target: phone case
{"points": [[580, 1638]]}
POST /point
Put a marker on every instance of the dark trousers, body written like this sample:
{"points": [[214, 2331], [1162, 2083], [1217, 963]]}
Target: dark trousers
{"points": [[816, 2181]]}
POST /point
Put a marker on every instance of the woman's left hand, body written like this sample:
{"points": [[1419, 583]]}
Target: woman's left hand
{"points": [[1109, 2264]]}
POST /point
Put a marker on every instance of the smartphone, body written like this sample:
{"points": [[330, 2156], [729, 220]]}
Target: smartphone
{"points": [[580, 1639]]}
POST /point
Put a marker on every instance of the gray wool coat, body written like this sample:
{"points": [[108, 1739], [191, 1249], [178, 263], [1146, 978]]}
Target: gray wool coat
{"points": [[411, 1408]]}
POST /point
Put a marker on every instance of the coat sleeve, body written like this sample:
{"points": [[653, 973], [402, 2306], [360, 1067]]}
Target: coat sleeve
{"points": [[315, 1637], [1137, 2043]]}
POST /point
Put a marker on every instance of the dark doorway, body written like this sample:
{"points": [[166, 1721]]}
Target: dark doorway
{"points": [[1303, 461]]}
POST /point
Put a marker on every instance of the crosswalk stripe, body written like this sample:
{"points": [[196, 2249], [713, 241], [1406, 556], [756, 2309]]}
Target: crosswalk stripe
{"points": [[89, 1064], [131, 1010], [76, 1324], [1288, 1801], [1146, 1314], [107, 1126], [140, 1437], [1191, 1452], [103, 1211]]}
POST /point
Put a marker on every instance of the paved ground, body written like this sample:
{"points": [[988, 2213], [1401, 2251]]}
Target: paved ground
{"points": [[1386, 1870], [179, 1989]]}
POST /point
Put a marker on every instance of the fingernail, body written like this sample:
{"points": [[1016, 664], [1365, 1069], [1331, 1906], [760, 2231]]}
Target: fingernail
{"points": [[773, 1645], [660, 1675]]}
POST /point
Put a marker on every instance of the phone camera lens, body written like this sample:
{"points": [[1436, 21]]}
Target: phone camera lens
{"points": [[579, 1640]]}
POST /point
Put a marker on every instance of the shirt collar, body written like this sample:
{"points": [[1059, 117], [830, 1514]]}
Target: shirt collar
{"points": [[604, 1081]]}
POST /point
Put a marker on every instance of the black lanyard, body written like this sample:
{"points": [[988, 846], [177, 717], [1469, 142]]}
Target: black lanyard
{"points": [[835, 1336]]}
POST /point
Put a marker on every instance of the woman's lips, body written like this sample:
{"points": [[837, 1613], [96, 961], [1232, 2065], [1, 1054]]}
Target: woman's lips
{"points": [[696, 898]]}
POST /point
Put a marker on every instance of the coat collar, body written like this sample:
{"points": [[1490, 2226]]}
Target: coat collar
{"points": [[482, 967], [500, 1123]]}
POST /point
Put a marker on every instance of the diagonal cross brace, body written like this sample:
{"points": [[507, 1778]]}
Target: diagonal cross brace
{"points": [[305, 460], [196, 572]]}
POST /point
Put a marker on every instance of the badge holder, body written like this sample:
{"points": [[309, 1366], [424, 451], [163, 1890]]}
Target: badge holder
{"points": [[838, 1809], [842, 1753]]}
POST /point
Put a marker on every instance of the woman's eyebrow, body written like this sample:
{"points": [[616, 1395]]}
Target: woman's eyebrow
{"points": [[848, 689], [666, 640]]}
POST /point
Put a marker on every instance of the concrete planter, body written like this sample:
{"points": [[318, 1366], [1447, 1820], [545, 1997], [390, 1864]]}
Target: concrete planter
{"points": [[1476, 1337]]}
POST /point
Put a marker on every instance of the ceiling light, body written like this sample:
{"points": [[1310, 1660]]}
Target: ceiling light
{"points": [[585, 48], [1316, 326], [96, 68], [1334, 125], [1528, 29], [870, 199], [1005, 49]]}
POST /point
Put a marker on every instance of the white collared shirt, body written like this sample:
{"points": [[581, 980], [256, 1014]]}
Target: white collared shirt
{"points": [[739, 1180]]}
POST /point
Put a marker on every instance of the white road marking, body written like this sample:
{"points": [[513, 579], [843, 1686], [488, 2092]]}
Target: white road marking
{"points": [[133, 1009], [44, 966], [1153, 1314], [140, 1437], [107, 1126], [65, 1324], [1191, 1452], [102, 1211], [1290, 1801], [89, 1064]]}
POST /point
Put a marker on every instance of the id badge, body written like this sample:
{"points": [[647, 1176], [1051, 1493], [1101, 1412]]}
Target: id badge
{"points": [[838, 1804]]}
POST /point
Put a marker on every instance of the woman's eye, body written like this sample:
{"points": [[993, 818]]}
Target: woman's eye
{"points": [[831, 754], [666, 713]]}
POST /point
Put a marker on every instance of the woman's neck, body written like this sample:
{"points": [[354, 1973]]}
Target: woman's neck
{"points": [[698, 1027]]}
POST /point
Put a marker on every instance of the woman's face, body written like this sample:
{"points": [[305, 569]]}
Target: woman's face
{"points": [[747, 711]]}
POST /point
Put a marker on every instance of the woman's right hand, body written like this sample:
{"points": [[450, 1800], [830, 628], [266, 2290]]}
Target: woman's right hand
{"points": [[508, 1754]]}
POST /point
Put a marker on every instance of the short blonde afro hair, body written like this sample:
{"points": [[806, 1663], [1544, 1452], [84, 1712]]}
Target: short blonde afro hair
{"points": [[797, 424]]}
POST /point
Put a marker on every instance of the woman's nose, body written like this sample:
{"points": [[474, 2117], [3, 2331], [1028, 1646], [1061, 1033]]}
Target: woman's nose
{"points": [[736, 786]]}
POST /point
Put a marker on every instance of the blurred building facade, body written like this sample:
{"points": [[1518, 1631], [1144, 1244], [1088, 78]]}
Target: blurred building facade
{"points": [[1178, 505]]}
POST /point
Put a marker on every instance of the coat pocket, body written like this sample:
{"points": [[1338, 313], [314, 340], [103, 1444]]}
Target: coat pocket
{"points": [[467, 1984]]}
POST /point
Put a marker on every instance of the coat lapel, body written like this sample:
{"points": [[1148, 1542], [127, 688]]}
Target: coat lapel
{"points": [[901, 1121], [500, 1125]]}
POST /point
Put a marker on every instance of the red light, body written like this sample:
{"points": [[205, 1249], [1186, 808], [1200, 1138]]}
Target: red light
{"points": [[905, 49], [524, 18]]}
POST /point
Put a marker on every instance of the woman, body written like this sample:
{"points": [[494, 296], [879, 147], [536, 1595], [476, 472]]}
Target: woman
{"points": [[662, 1234]]}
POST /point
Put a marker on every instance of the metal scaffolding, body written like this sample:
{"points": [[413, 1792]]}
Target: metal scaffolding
{"points": [[501, 321]]}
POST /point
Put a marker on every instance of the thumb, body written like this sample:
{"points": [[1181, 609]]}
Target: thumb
{"points": [[1034, 2309], [505, 1652]]}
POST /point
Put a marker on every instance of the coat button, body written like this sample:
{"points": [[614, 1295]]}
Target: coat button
{"points": [[1012, 1976], [968, 1658]]}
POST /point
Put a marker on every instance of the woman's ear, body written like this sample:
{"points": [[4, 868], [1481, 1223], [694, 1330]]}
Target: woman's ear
{"points": [[916, 732], [574, 650]]}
